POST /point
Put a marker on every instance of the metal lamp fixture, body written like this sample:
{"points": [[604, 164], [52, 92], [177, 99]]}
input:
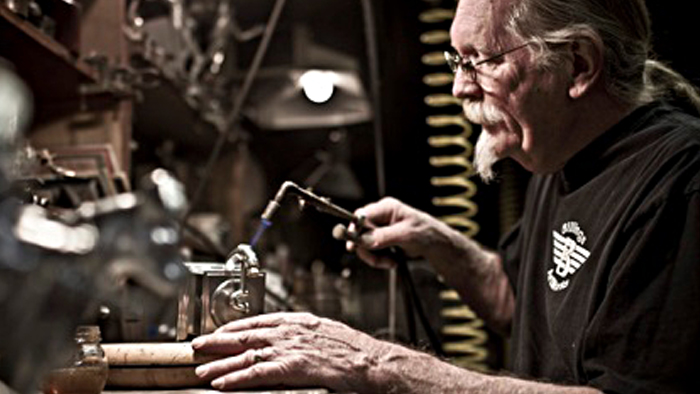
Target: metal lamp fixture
{"points": [[310, 98]]}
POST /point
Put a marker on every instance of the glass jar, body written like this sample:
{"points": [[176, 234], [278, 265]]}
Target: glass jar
{"points": [[86, 372]]}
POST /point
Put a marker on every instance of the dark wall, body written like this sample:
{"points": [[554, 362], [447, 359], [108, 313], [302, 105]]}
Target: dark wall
{"points": [[675, 28]]}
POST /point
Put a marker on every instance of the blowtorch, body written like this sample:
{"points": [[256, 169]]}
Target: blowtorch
{"points": [[322, 204]]}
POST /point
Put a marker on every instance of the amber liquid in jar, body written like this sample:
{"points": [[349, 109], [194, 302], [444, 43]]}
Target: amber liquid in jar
{"points": [[87, 371]]}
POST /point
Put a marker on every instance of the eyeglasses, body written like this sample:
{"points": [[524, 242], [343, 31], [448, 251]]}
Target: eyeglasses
{"points": [[457, 62]]}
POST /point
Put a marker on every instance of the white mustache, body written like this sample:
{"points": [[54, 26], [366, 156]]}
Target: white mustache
{"points": [[481, 113]]}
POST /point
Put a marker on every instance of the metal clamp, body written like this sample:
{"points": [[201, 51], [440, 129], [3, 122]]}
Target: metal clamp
{"points": [[243, 294]]}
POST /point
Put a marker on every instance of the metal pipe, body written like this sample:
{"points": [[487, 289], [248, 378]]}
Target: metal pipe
{"points": [[373, 60], [322, 204]]}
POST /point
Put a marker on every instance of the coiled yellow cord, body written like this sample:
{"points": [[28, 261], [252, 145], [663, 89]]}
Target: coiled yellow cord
{"points": [[463, 331]]}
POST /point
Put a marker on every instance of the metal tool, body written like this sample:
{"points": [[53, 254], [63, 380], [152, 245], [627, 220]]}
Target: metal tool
{"points": [[241, 297], [217, 293], [341, 232], [306, 197]]}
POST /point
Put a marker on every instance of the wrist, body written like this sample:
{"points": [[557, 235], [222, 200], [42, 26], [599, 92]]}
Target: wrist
{"points": [[444, 244], [406, 371], [387, 371], [399, 369]]}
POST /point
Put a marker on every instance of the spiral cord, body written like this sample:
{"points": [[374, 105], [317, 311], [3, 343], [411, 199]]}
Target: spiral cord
{"points": [[464, 337]]}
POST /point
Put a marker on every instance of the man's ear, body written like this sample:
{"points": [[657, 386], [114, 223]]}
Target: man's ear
{"points": [[587, 51]]}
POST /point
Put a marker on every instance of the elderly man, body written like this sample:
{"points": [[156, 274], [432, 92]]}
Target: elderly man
{"points": [[598, 284]]}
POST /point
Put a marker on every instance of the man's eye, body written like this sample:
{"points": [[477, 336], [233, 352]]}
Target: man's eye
{"points": [[498, 60]]}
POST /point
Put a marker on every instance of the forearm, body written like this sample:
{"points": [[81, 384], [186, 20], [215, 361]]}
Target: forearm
{"points": [[406, 371], [477, 275]]}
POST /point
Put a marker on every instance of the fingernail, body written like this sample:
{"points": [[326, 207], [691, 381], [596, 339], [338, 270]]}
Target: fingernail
{"points": [[367, 239], [218, 384], [201, 370]]}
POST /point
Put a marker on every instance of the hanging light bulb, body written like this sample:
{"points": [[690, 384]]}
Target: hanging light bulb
{"points": [[318, 86], [279, 104]]}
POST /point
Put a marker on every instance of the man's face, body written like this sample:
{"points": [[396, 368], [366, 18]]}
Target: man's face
{"points": [[521, 108]]}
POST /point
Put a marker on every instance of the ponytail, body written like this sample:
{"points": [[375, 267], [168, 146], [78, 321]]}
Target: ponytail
{"points": [[661, 81]]}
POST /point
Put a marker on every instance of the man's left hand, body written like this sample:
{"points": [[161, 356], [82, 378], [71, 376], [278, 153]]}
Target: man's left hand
{"points": [[293, 350]]}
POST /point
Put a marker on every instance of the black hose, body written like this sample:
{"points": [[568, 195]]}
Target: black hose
{"points": [[435, 341], [408, 310], [413, 301]]}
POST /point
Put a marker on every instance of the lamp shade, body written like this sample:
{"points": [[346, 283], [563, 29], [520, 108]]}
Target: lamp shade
{"points": [[282, 102]]}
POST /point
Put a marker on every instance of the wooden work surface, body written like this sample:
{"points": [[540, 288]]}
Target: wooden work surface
{"points": [[206, 391], [165, 368]]}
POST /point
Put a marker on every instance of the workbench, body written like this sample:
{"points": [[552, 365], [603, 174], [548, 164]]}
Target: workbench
{"points": [[207, 391]]}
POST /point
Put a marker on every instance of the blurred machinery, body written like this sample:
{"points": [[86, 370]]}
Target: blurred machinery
{"points": [[116, 260], [190, 44], [120, 251], [58, 267]]}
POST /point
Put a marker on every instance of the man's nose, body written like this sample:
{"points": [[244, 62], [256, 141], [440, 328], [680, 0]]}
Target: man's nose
{"points": [[464, 86]]}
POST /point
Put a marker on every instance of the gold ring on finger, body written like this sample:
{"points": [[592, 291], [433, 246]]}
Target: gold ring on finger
{"points": [[258, 357]]}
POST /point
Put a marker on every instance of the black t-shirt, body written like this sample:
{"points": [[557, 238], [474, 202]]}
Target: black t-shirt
{"points": [[605, 263]]}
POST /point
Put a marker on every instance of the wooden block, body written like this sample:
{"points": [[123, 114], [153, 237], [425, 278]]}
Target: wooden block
{"points": [[154, 354], [154, 377]]}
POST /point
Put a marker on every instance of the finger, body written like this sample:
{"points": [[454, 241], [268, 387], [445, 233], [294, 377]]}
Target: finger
{"points": [[374, 260], [404, 234], [350, 246], [352, 231], [234, 363], [381, 212], [265, 374], [271, 321], [367, 256], [250, 323], [234, 342], [382, 237]]}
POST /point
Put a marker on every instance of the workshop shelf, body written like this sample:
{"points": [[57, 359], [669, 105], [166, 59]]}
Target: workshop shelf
{"points": [[49, 68]]}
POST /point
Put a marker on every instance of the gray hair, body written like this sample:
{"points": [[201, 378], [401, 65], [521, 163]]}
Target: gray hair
{"points": [[623, 26]]}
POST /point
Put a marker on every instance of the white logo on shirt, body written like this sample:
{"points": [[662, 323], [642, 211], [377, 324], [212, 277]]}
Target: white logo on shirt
{"points": [[569, 255]]}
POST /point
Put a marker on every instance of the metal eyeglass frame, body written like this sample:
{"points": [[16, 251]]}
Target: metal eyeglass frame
{"points": [[457, 62]]}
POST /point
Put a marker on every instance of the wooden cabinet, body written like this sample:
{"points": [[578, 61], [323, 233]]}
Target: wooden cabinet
{"points": [[74, 109]]}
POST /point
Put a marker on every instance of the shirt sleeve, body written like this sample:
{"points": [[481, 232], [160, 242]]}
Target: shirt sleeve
{"points": [[645, 337]]}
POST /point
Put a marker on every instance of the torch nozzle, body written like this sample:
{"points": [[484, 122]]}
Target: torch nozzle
{"points": [[306, 197], [320, 203]]}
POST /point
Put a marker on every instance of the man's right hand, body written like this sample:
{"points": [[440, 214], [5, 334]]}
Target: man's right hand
{"points": [[391, 223], [475, 272]]}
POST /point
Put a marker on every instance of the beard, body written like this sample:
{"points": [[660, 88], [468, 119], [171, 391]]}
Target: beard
{"points": [[485, 155]]}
